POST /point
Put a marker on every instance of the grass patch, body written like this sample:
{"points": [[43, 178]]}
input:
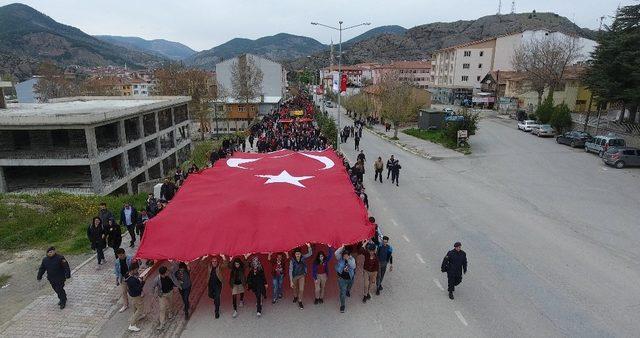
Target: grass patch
{"points": [[439, 137], [4, 279], [55, 218]]}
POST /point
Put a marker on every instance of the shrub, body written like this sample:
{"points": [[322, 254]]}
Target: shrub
{"points": [[328, 127], [545, 110], [561, 118]]}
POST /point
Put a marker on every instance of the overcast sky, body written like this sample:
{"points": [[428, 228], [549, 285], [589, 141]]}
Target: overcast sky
{"points": [[202, 24]]}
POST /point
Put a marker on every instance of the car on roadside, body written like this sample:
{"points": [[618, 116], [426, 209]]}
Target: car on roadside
{"points": [[449, 111], [621, 157], [329, 104], [574, 138], [526, 125], [601, 143], [543, 130]]}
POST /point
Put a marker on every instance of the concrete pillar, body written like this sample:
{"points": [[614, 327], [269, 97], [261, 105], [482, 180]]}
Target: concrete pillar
{"points": [[143, 147], [123, 142], [157, 137], [3, 181], [94, 165], [161, 165], [141, 126]]}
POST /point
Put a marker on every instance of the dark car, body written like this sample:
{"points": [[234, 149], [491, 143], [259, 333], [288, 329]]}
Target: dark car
{"points": [[574, 138], [622, 157]]}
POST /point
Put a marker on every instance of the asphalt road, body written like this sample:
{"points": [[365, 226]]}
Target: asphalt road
{"points": [[549, 231]]}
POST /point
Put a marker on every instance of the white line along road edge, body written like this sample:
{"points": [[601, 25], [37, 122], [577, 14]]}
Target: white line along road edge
{"points": [[420, 259], [438, 284], [406, 238], [461, 318]]}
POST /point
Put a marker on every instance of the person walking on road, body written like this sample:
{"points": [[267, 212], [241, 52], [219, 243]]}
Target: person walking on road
{"points": [[454, 264], [135, 284], [346, 269], [104, 214], [96, 235], [237, 279], [183, 276], [215, 283], [319, 273], [297, 274], [121, 269], [113, 235], [385, 257], [356, 142], [128, 218], [257, 282], [163, 289], [371, 267], [390, 163], [378, 167], [395, 173], [277, 274], [58, 271], [361, 157]]}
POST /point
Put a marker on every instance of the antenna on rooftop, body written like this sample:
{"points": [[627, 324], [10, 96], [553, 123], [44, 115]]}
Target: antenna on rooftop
{"points": [[499, 7], [513, 7]]}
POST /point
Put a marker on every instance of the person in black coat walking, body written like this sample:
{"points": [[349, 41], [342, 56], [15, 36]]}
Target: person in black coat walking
{"points": [[97, 237], [113, 235], [128, 219], [215, 283], [395, 172], [58, 271], [454, 264], [257, 282]]}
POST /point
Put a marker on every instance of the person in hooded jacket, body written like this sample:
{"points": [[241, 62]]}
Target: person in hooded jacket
{"points": [[257, 282], [96, 235]]}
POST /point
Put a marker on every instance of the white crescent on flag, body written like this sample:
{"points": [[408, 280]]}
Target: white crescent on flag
{"points": [[237, 162], [328, 163]]}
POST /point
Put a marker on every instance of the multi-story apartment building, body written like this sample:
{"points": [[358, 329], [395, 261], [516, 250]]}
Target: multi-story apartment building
{"points": [[417, 73], [92, 144]]}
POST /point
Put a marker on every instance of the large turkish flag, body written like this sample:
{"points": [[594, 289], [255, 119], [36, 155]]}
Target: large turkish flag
{"points": [[259, 203]]}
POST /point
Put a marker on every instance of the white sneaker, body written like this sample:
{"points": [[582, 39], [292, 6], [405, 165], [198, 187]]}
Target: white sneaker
{"points": [[123, 308], [259, 314], [134, 328], [241, 303], [235, 314]]}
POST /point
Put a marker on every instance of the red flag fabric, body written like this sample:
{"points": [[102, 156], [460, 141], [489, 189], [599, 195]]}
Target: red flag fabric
{"points": [[343, 83], [259, 203]]}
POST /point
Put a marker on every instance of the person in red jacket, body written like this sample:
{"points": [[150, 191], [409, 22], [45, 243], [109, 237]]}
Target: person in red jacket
{"points": [[371, 266], [278, 271]]}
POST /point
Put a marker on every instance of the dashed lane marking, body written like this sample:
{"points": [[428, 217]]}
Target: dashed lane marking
{"points": [[406, 238], [464, 321], [420, 258], [394, 222], [438, 284]]}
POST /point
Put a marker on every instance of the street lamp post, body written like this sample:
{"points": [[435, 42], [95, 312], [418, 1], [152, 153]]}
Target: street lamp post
{"points": [[340, 29]]}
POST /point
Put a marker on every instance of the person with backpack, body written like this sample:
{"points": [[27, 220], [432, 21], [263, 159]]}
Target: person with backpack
{"points": [[454, 264], [96, 235]]}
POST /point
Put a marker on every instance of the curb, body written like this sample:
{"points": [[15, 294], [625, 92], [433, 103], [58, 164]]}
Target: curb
{"points": [[402, 145]]}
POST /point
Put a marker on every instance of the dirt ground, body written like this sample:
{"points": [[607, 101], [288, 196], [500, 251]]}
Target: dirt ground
{"points": [[22, 287]]}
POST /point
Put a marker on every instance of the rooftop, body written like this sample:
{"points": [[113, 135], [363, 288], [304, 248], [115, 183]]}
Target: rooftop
{"points": [[83, 110]]}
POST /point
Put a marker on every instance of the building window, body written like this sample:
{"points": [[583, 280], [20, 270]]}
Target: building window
{"points": [[241, 109], [467, 53], [478, 78], [465, 66], [481, 53], [465, 78], [479, 65]]}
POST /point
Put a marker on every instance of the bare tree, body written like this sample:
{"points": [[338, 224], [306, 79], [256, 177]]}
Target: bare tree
{"points": [[53, 83], [246, 80], [543, 61], [400, 101]]}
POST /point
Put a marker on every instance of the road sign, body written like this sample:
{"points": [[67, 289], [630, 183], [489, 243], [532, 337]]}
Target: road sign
{"points": [[462, 134]]}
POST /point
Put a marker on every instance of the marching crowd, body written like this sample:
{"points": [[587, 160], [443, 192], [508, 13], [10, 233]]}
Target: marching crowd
{"points": [[252, 272]]}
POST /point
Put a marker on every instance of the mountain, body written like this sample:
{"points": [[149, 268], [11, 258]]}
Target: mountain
{"points": [[276, 47], [28, 37], [392, 30], [160, 47], [420, 41]]}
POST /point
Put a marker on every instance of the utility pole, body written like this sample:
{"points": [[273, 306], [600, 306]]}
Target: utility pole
{"points": [[499, 7], [339, 29], [513, 7]]}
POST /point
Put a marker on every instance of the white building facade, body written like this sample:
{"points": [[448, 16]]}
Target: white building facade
{"points": [[274, 76]]}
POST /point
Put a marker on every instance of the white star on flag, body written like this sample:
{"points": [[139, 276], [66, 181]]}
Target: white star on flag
{"points": [[285, 177]]}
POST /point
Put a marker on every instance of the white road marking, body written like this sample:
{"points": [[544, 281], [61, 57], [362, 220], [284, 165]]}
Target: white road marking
{"points": [[438, 284], [394, 222], [461, 318], [420, 259], [406, 238]]}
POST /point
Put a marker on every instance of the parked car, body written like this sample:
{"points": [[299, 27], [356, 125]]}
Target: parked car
{"points": [[452, 117], [574, 138], [329, 104], [449, 110], [543, 130], [526, 125], [621, 157], [600, 143]]}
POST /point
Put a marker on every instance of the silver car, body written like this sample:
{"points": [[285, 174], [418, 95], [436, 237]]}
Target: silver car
{"points": [[622, 157], [543, 130], [601, 143]]}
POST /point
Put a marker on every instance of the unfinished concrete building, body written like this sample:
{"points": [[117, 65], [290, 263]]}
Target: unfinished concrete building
{"points": [[98, 145]]}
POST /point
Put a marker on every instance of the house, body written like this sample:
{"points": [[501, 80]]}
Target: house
{"points": [[417, 73]]}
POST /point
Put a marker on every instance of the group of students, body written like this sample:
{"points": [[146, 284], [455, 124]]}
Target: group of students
{"points": [[272, 134]]}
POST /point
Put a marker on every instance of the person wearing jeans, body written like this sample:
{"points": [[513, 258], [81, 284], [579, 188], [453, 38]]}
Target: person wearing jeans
{"points": [[345, 268], [128, 218], [183, 277], [297, 274], [277, 274], [215, 283], [385, 257]]}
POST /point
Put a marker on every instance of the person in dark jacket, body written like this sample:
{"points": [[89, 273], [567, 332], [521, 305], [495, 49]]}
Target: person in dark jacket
{"points": [[278, 271], [104, 214], [152, 205], [319, 272], [128, 219], [96, 235], [298, 273], [135, 285], [58, 271], [183, 277], [385, 256], [395, 172], [237, 280], [215, 283], [113, 235], [257, 282], [168, 190], [454, 264], [390, 163]]}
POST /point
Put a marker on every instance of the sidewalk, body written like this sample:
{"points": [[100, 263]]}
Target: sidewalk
{"points": [[414, 145], [92, 298]]}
